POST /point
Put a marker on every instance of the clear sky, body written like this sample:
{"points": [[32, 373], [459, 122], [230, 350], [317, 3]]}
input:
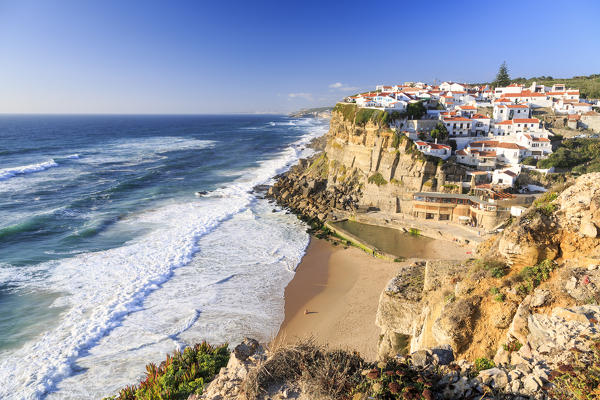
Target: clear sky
{"points": [[219, 56]]}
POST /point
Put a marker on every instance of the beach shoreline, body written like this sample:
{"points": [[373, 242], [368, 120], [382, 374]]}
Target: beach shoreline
{"points": [[334, 295]]}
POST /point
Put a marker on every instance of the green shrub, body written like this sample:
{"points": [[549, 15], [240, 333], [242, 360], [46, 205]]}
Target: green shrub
{"points": [[348, 111], [364, 115], [529, 161], [545, 203], [513, 345], [396, 140], [180, 375], [496, 269], [377, 179], [500, 297], [534, 275], [483, 363], [580, 379]]}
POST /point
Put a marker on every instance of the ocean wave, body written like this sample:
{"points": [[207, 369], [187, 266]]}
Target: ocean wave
{"points": [[7, 173], [106, 286]]}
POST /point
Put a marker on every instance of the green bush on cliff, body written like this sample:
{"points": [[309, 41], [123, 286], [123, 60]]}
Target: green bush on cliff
{"points": [[483, 363], [180, 375], [348, 111], [377, 179], [533, 276], [365, 115], [580, 379]]}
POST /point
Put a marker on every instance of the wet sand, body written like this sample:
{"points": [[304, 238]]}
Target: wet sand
{"points": [[335, 293]]}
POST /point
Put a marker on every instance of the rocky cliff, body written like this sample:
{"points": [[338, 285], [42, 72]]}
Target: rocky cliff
{"points": [[365, 165], [530, 302]]}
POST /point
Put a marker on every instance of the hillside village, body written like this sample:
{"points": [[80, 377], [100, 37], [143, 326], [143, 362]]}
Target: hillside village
{"points": [[493, 132]]}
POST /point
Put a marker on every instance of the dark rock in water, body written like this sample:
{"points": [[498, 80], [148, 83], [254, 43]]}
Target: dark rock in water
{"points": [[260, 188], [201, 193]]}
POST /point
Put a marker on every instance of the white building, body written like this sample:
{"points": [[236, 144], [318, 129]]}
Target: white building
{"points": [[480, 125], [458, 126], [503, 112], [452, 86], [512, 127], [466, 111], [505, 176], [433, 149]]}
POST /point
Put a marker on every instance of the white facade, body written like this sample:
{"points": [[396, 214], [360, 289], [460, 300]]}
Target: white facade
{"points": [[503, 112], [433, 149], [458, 126]]}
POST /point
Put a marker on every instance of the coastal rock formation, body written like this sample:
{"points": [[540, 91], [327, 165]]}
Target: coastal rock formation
{"points": [[561, 225], [364, 166], [529, 303]]}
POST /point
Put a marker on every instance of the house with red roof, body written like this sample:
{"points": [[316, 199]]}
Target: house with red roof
{"points": [[503, 112], [434, 149], [458, 126], [480, 125]]}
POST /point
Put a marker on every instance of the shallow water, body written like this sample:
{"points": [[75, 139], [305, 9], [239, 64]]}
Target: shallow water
{"points": [[389, 240]]}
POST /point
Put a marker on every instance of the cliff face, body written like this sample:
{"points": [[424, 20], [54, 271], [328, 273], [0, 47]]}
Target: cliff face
{"points": [[396, 169], [559, 226], [364, 165], [532, 297]]}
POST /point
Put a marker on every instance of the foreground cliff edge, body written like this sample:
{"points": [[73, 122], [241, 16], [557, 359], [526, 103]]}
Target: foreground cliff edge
{"points": [[521, 318]]}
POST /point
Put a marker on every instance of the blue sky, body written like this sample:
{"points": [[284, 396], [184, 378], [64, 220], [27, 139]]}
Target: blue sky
{"points": [[148, 56]]}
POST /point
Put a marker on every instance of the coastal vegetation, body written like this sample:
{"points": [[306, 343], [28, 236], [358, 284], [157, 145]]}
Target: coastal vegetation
{"points": [[181, 374], [579, 380], [580, 156], [588, 85], [502, 78], [361, 116], [377, 179]]}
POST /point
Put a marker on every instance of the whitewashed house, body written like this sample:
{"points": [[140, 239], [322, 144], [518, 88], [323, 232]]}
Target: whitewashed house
{"points": [[466, 111], [503, 112], [480, 125], [433, 149], [452, 86], [505, 176], [458, 126], [505, 152]]}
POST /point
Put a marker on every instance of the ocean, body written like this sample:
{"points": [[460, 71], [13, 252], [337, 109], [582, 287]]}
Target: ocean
{"points": [[108, 257]]}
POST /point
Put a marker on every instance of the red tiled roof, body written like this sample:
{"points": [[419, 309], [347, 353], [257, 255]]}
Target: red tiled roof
{"points": [[468, 108], [452, 119], [479, 116], [526, 120]]}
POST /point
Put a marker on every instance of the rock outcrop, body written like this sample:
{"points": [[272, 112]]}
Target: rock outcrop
{"points": [[364, 166], [561, 226]]}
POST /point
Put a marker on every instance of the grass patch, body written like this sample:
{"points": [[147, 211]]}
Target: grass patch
{"points": [[533, 276], [377, 179], [348, 111], [483, 363], [513, 345], [319, 372], [579, 380], [180, 375], [545, 203]]}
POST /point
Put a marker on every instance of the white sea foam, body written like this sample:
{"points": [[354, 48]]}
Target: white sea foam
{"points": [[10, 172], [112, 293]]}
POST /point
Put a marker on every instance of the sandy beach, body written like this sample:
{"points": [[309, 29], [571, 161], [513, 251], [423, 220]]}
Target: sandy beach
{"points": [[340, 289]]}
